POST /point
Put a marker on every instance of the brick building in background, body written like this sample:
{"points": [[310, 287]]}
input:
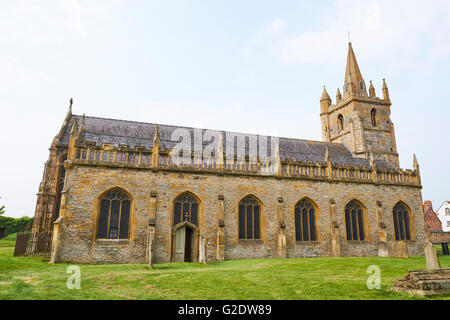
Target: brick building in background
{"points": [[431, 218]]}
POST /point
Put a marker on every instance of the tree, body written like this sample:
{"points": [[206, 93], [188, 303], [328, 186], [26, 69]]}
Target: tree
{"points": [[14, 225], [2, 209]]}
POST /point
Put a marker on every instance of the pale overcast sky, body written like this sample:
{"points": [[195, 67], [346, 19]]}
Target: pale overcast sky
{"points": [[251, 66]]}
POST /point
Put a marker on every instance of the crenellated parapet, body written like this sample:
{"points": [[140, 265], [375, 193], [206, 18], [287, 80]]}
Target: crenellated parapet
{"points": [[139, 158]]}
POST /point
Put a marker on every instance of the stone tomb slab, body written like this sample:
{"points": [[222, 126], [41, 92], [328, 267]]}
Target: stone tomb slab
{"points": [[425, 282]]}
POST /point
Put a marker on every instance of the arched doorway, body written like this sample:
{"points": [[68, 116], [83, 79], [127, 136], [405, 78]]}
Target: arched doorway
{"points": [[184, 243], [186, 209]]}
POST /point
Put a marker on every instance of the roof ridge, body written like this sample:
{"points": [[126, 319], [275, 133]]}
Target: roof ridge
{"points": [[220, 130]]}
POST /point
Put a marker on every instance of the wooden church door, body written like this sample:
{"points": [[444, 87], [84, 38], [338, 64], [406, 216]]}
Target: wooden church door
{"points": [[180, 244]]}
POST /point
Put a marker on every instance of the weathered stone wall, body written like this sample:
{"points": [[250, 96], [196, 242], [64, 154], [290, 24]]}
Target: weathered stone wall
{"points": [[364, 137], [85, 184]]}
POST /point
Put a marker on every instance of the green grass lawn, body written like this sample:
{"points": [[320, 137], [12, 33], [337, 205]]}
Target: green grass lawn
{"points": [[308, 278]]}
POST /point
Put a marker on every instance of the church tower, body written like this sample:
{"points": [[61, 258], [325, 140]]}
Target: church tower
{"points": [[359, 119]]}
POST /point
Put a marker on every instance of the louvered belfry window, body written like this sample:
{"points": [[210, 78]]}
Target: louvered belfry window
{"points": [[354, 220], [249, 218], [114, 218], [340, 123], [401, 222], [305, 221], [373, 115], [185, 209]]}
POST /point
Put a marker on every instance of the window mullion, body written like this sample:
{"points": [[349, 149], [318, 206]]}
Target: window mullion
{"points": [[120, 219], [109, 218]]}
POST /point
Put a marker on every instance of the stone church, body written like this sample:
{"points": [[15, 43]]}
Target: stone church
{"points": [[118, 191]]}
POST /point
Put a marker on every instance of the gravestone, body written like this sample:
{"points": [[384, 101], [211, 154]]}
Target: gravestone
{"points": [[431, 257], [398, 249], [202, 249], [383, 249]]}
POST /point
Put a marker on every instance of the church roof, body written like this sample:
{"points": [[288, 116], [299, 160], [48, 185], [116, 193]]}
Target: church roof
{"points": [[133, 134]]}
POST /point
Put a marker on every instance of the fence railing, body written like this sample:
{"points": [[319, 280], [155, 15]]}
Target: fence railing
{"points": [[21, 244], [33, 245]]}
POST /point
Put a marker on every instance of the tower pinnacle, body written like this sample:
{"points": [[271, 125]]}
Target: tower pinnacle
{"points": [[325, 101]]}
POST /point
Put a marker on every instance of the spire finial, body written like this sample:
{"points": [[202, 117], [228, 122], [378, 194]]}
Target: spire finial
{"points": [[327, 157], [74, 130], [385, 90], [325, 95], [372, 93], [372, 160], [277, 159], [70, 106], [348, 32], [415, 162], [156, 135], [338, 96]]}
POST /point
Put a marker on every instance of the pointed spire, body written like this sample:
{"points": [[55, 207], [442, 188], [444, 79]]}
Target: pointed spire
{"points": [[325, 95], [372, 90], [338, 96], [353, 77], [385, 91]]}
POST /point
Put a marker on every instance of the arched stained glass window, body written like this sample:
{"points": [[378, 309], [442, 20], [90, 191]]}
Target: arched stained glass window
{"points": [[401, 222], [305, 221], [249, 218], [114, 217], [354, 221], [185, 209]]}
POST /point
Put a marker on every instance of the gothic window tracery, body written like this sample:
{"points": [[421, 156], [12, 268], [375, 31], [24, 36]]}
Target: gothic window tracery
{"points": [[114, 215], [354, 221], [249, 218], [185, 209], [305, 221], [401, 222]]}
